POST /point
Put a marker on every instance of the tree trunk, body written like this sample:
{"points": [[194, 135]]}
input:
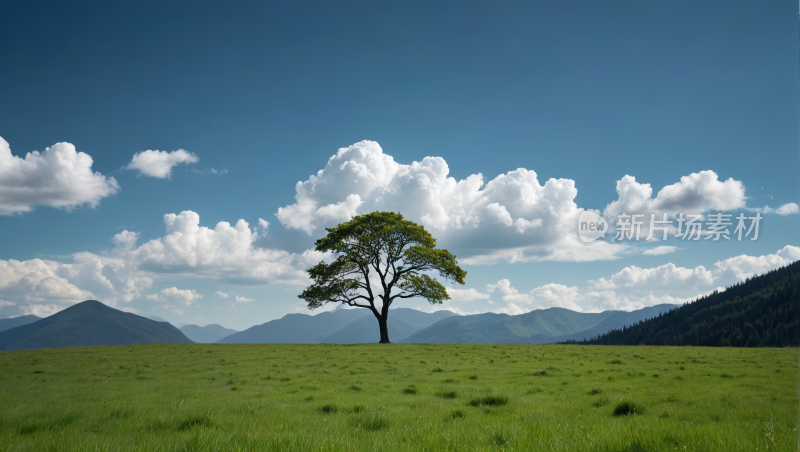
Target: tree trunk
{"points": [[382, 320]]}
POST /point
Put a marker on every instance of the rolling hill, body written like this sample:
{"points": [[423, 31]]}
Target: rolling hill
{"points": [[763, 311], [89, 323]]}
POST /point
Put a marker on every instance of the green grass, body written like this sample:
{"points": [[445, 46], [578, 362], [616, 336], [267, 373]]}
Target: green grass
{"points": [[398, 397]]}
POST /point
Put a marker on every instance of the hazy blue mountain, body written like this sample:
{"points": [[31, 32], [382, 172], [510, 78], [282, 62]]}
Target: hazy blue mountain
{"points": [[616, 320], [199, 334], [343, 326], [90, 323], [297, 328], [365, 330], [417, 319], [206, 334], [535, 327], [402, 322], [219, 330], [7, 324], [462, 329]]}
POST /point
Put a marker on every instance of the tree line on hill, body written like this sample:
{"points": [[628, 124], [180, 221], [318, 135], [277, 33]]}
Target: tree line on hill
{"points": [[763, 311]]}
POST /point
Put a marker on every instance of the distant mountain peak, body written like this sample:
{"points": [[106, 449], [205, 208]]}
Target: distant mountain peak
{"points": [[89, 323]]}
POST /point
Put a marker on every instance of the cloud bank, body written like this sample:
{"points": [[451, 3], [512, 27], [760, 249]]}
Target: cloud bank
{"points": [[126, 271], [512, 217], [227, 252], [636, 288]]}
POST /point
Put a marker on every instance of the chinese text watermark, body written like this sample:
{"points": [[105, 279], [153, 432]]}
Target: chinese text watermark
{"points": [[639, 226]]}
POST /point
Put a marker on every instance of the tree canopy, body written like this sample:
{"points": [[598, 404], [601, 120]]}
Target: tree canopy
{"points": [[380, 256]]}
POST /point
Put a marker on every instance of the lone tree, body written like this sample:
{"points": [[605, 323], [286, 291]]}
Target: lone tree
{"points": [[398, 251]]}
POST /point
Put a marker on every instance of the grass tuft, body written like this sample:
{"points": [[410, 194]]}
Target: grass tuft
{"points": [[447, 394], [196, 421], [457, 414], [358, 408], [27, 429], [491, 400], [627, 407], [371, 423]]}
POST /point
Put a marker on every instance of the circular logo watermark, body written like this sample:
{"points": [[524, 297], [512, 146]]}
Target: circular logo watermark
{"points": [[590, 226]]}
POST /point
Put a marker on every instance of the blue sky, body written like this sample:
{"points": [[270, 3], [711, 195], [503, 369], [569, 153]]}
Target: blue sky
{"points": [[261, 96]]}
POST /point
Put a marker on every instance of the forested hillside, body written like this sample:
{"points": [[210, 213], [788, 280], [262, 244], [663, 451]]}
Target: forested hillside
{"points": [[763, 311]]}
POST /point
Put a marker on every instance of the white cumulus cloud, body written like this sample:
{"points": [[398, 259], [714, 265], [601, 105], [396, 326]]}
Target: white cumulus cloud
{"points": [[221, 294], [244, 299], [42, 310], [786, 209], [636, 288], [543, 297], [36, 281], [573, 298], [725, 272], [659, 250], [58, 177], [225, 252], [696, 193], [665, 276], [466, 294], [512, 217], [741, 267], [124, 272], [160, 163], [175, 295], [53, 286]]}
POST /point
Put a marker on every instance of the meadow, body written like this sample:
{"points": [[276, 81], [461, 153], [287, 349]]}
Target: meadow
{"points": [[416, 397]]}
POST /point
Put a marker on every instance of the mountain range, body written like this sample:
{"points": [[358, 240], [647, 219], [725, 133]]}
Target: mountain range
{"points": [[342, 326], [93, 323], [353, 326], [541, 326]]}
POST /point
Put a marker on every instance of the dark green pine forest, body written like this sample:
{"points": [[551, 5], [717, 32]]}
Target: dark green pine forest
{"points": [[763, 311]]}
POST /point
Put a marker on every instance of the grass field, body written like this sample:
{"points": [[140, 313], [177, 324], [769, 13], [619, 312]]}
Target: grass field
{"points": [[399, 397]]}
